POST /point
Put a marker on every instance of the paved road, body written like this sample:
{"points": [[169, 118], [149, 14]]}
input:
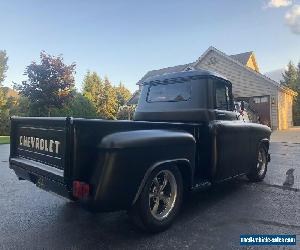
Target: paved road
{"points": [[291, 135], [213, 219]]}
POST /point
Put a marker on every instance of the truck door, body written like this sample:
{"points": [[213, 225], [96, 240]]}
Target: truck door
{"points": [[232, 137]]}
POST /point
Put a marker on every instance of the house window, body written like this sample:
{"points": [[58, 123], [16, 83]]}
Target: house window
{"points": [[256, 100], [263, 99], [260, 99]]}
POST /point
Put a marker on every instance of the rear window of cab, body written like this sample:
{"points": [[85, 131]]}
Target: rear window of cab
{"points": [[170, 92]]}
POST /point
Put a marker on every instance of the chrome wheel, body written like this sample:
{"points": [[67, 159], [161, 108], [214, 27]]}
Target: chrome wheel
{"points": [[261, 161], [162, 194]]}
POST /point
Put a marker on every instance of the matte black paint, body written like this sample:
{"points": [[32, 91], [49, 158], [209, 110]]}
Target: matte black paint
{"points": [[115, 157]]}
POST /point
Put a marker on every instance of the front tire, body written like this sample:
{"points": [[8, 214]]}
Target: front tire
{"points": [[259, 171], [159, 201]]}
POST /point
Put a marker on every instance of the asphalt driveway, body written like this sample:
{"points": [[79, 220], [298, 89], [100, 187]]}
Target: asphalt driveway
{"points": [[31, 218]]}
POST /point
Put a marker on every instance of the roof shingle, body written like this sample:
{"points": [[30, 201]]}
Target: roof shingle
{"points": [[243, 58]]}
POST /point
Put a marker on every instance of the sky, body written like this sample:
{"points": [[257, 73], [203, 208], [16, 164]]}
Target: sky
{"points": [[125, 39]]}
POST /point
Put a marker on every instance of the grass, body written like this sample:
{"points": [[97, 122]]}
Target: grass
{"points": [[4, 139]]}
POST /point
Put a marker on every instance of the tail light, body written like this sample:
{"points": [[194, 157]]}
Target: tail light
{"points": [[81, 189]]}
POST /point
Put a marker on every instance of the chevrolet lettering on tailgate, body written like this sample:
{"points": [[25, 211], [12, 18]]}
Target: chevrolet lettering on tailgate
{"points": [[46, 145]]}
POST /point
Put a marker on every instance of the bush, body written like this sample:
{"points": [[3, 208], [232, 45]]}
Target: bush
{"points": [[4, 122]]}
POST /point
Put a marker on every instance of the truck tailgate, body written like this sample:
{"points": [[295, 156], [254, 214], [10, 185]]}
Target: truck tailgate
{"points": [[40, 151]]}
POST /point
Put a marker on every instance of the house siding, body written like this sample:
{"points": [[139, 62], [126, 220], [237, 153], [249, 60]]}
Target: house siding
{"points": [[252, 63], [245, 83], [285, 113]]}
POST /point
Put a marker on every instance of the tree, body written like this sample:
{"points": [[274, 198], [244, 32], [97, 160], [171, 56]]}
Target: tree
{"points": [[49, 84], [4, 113], [11, 108], [3, 69], [2, 98], [102, 94], [123, 95], [3, 65], [92, 88], [290, 76], [291, 79], [21, 107], [108, 100], [80, 106]]}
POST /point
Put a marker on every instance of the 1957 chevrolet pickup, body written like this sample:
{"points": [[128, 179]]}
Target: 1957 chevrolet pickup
{"points": [[185, 136]]}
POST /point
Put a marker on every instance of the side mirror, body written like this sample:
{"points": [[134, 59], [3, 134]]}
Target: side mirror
{"points": [[242, 105]]}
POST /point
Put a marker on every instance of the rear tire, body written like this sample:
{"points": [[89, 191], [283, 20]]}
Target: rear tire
{"points": [[258, 172], [160, 200]]}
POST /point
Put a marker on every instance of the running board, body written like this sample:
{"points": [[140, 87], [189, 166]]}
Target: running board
{"points": [[201, 184]]}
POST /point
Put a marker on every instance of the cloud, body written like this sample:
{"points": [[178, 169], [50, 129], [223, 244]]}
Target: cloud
{"points": [[279, 3], [292, 19]]}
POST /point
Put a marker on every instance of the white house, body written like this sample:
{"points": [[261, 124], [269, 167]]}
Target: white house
{"points": [[271, 100]]}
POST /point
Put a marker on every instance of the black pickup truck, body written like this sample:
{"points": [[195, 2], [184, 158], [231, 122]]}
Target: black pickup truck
{"points": [[185, 136]]}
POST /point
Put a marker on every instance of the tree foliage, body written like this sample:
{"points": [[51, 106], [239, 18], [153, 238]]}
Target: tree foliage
{"points": [[3, 98], [291, 79], [92, 87], [290, 76], [3, 69], [3, 65], [105, 97], [49, 91], [4, 112], [123, 94], [15, 106], [108, 101], [80, 107], [50, 84]]}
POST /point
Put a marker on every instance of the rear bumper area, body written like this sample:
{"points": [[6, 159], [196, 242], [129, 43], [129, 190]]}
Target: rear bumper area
{"points": [[43, 176]]}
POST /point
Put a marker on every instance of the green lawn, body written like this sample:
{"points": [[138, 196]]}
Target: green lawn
{"points": [[4, 139]]}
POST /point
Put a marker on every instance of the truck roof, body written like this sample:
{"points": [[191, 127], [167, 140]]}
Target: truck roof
{"points": [[182, 74]]}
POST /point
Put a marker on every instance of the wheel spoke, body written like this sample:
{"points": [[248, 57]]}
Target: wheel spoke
{"points": [[156, 183], [165, 199], [151, 195], [164, 184], [155, 207], [261, 162]]}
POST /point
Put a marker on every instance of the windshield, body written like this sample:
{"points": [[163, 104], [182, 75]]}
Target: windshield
{"points": [[172, 92]]}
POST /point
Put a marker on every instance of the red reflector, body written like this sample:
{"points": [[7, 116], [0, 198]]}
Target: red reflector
{"points": [[80, 189]]}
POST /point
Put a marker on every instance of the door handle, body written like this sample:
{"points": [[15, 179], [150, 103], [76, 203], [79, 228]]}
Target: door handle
{"points": [[221, 115]]}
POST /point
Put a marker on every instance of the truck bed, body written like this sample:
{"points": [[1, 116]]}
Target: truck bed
{"points": [[53, 152]]}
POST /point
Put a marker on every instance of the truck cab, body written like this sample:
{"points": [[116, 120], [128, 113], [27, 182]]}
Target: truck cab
{"points": [[186, 97], [185, 136]]}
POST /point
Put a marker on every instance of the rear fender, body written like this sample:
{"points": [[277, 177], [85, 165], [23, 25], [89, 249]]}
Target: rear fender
{"points": [[130, 157], [183, 165]]}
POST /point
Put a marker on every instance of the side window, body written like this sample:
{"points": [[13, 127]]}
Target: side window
{"points": [[222, 96]]}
